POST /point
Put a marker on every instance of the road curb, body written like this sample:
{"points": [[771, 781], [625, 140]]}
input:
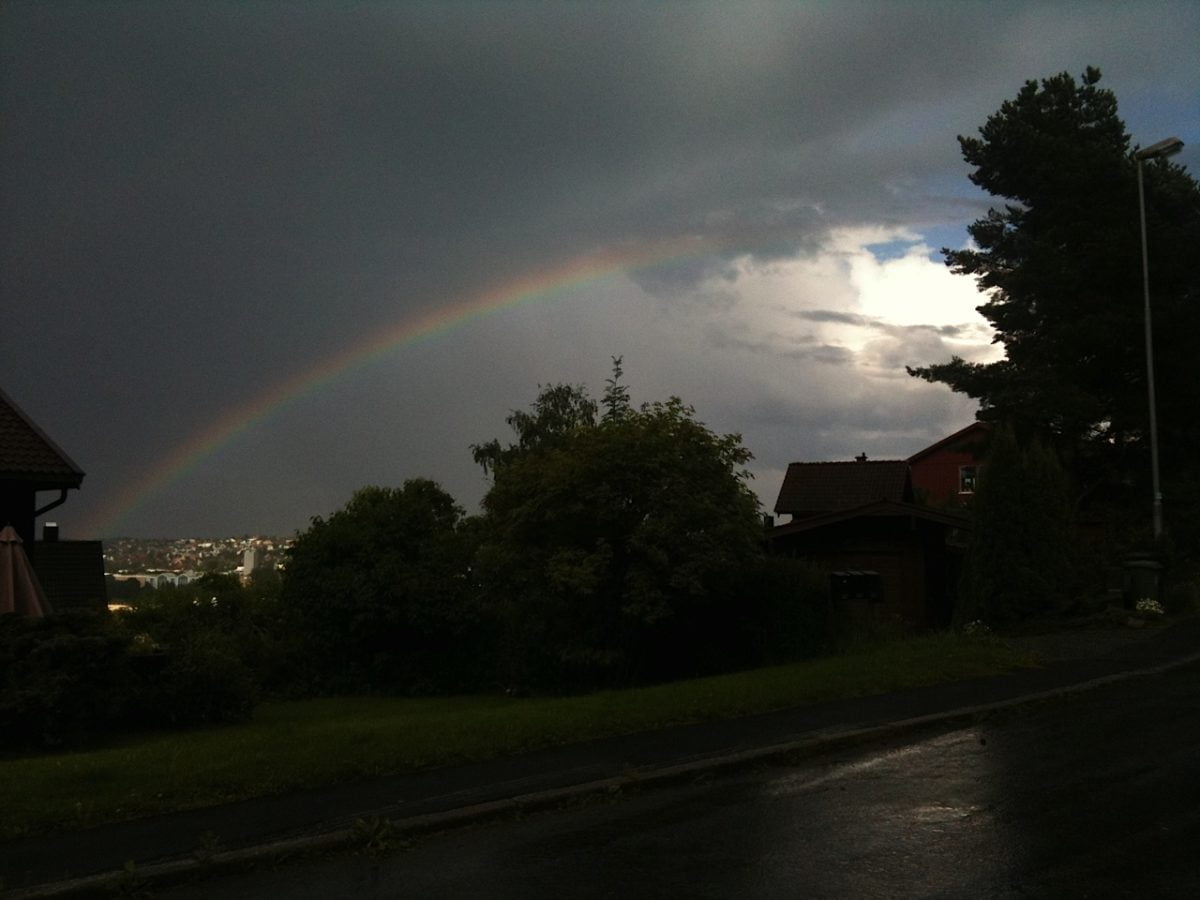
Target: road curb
{"points": [[394, 832]]}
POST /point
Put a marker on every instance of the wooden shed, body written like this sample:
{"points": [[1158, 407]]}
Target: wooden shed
{"points": [[889, 561], [888, 557]]}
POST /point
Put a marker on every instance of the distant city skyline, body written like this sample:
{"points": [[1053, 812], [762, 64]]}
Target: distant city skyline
{"points": [[144, 556]]}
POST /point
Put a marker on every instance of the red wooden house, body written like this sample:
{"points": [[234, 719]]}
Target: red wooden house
{"points": [[944, 474]]}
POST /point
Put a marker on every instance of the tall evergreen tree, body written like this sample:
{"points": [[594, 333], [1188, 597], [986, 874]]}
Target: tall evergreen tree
{"points": [[1060, 263]]}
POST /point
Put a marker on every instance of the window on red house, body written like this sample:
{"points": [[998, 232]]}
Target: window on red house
{"points": [[966, 479]]}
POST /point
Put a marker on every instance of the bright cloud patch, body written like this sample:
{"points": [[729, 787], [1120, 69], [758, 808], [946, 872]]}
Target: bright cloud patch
{"points": [[806, 357], [849, 306]]}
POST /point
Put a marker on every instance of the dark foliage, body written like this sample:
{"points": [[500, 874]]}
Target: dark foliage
{"points": [[63, 679], [379, 594], [603, 542], [123, 590], [174, 660], [786, 612], [1021, 561], [203, 682], [246, 621], [1061, 262]]}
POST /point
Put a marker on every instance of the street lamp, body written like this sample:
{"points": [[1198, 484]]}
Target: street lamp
{"points": [[1163, 148]]}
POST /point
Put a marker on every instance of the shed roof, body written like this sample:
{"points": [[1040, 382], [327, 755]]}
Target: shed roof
{"points": [[820, 487], [878, 509], [28, 455]]}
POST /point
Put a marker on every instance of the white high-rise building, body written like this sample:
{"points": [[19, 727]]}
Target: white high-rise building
{"points": [[251, 561]]}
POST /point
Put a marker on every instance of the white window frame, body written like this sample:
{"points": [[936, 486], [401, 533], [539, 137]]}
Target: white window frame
{"points": [[967, 482]]}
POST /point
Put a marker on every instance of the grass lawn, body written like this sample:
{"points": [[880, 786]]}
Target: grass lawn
{"points": [[306, 744]]}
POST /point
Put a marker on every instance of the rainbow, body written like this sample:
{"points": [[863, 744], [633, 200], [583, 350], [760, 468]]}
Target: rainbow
{"points": [[531, 287]]}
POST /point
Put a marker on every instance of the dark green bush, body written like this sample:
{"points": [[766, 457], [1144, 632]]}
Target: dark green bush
{"points": [[378, 595], [787, 611], [68, 679], [62, 679], [247, 622], [202, 682], [1021, 562]]}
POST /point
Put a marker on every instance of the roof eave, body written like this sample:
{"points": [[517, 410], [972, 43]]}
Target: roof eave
{"points": [[73, 480], [875, 509], [948, 440]]}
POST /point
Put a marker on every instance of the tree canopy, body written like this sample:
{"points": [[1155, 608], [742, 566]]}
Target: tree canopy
{"points": [[616, 544], [1060, 264], [558, 410], [601, 537], [380, 590]]}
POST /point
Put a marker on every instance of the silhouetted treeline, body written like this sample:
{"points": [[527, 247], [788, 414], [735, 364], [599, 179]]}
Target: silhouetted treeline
{"points": [[617, 546]]}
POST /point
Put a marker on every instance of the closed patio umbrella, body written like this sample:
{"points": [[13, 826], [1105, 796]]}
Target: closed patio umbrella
{"points": [[19, 588]]}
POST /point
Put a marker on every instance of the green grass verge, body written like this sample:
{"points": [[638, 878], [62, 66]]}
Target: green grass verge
{"points": [[307, 744]]}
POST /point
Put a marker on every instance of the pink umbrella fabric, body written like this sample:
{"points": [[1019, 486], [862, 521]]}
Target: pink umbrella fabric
{"points": [[19, 588]]}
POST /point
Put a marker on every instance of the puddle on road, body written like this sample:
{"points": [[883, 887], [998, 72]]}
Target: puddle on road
{"points": [[810, 778]]}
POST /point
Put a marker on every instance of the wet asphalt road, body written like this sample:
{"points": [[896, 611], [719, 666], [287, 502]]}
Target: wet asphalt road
{"points": [[1092, 796]]}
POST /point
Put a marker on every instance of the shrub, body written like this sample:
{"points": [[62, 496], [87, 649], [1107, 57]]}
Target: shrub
{"points": [[203, 682], [787, 611], [379, 594], [1021, 559], [770, 611], [62, 679], [68, 679], [246, 621]]}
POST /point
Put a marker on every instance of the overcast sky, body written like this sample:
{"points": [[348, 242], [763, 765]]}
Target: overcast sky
{"points": [[222, 225]]}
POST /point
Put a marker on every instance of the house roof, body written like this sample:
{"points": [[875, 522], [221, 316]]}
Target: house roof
{"points": [[28, 455], [822, 487], [876, 509], [973, 432]]}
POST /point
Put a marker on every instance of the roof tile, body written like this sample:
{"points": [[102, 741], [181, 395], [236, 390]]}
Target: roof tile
{"points": [[27, 454], [821, 487]]}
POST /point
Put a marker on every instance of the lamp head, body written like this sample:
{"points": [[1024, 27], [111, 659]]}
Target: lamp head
{"points": [[1168, 147]]}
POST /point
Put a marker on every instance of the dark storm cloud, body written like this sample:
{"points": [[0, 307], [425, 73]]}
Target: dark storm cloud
{"points": [[871, 323], [802, 348], [831, 315], [200, 199]]}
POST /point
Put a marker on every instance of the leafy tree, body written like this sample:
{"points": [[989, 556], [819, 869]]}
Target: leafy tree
{"points": [[1019, 562], [559, 411], [1060, 263], [380, 594], [616, 395], [603, 539]]}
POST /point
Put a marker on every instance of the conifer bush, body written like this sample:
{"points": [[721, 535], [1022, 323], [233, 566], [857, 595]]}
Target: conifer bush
{"points": [[1020, 562]]}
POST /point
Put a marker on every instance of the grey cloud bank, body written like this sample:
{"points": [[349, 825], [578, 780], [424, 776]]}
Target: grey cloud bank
{"points": [[202, 200]]}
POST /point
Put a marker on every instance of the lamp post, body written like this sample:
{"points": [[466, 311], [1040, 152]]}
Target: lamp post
{"points": [[1163, 148]]}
